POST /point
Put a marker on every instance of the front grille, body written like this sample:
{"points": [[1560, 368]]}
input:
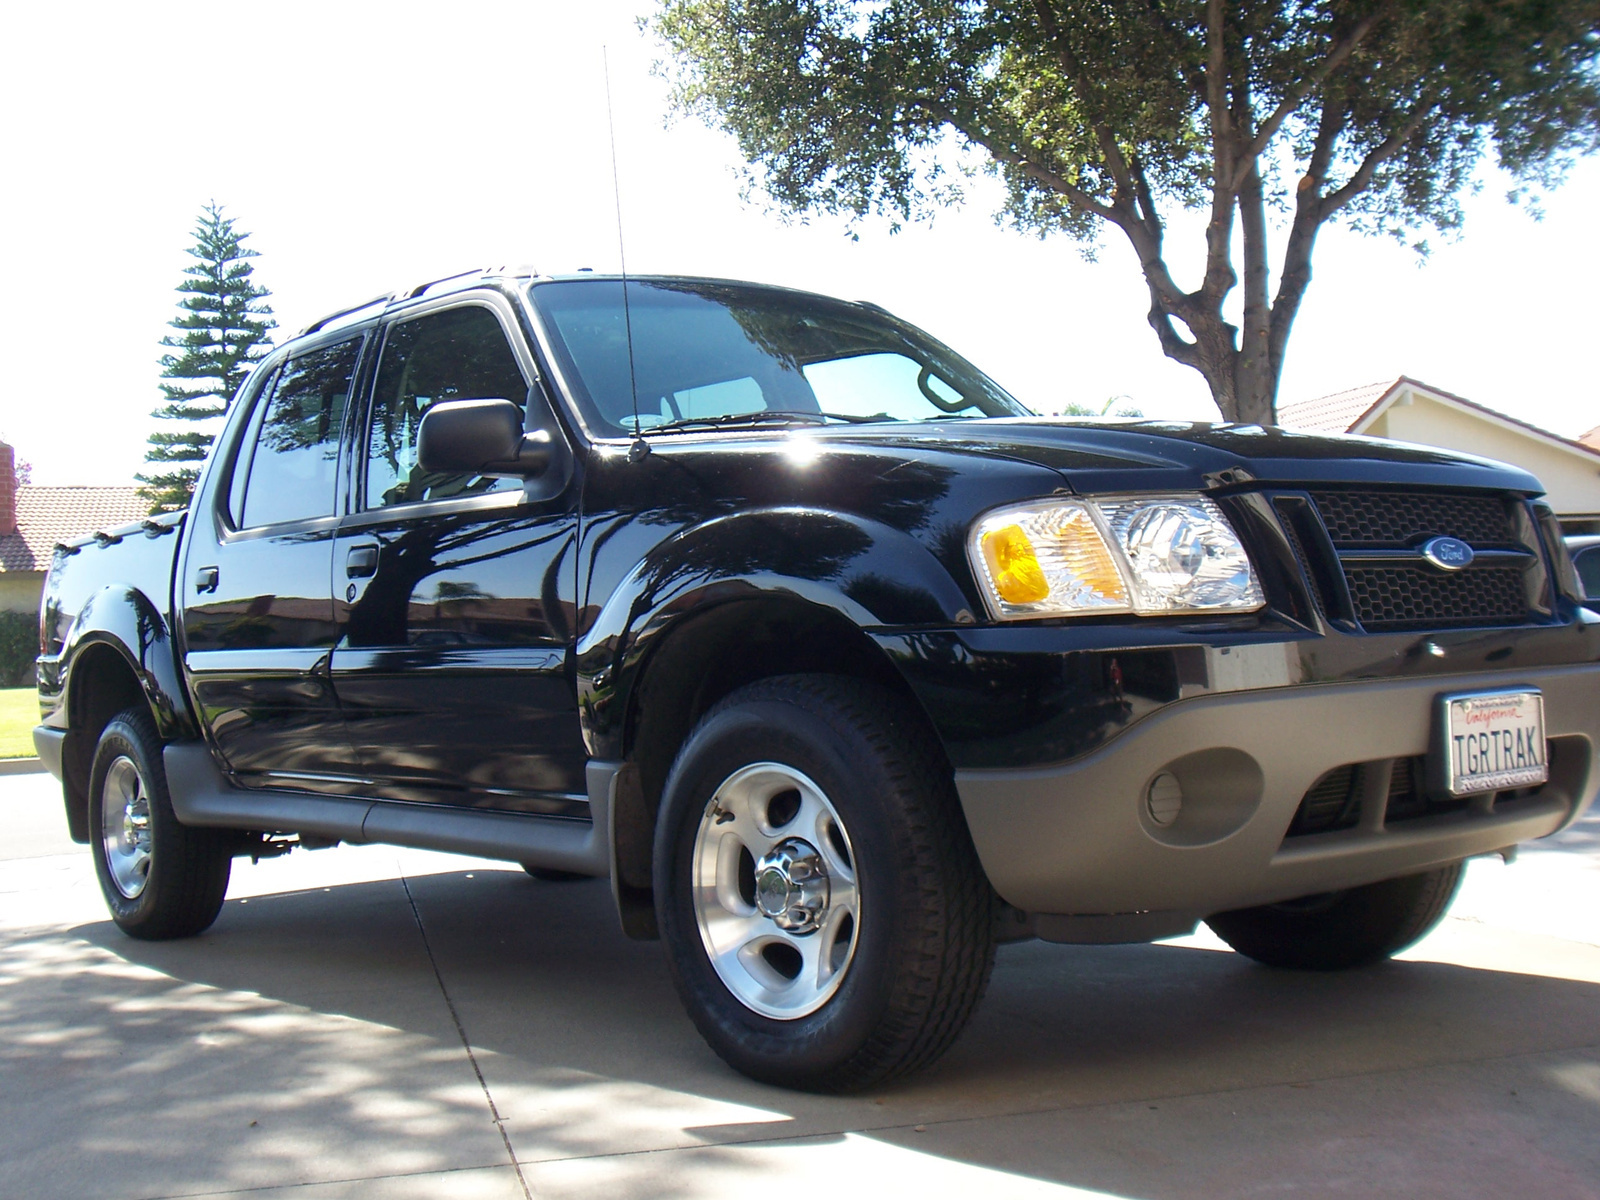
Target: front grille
{"points": [[1329, 805], [1405, 597], [1377, 539], [1287, 512], [1404, 519], [1408, 795], [1333, 802]]}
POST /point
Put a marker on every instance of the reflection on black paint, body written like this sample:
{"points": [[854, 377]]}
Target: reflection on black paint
{"points": [[406, 600], [452, 670]]}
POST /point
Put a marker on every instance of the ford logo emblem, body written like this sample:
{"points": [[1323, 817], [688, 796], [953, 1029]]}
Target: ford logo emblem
{"points": [[1448, 553]]}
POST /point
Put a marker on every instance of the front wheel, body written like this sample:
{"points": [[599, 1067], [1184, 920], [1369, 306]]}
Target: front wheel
{"points": [[1336, 930], [160, 879], [826, 920]]}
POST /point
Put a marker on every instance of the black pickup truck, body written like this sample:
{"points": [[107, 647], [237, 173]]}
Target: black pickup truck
{"points": [[840, 664]]}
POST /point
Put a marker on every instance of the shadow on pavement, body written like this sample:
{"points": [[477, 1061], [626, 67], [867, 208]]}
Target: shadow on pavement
{"points": [[581, 1039]]}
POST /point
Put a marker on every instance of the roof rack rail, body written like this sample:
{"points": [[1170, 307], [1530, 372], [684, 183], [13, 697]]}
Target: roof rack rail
{"points": [[411, 293], [414, 292], [382, 298]]}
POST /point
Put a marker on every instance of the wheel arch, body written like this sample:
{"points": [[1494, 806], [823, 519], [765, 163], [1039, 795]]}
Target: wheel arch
{"points": [[123, 619], [867, 574], [692, 665], [721, 602], [118, 655]]}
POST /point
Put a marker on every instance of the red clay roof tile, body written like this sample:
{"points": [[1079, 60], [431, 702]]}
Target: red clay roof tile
{"points": [[47, 515]]}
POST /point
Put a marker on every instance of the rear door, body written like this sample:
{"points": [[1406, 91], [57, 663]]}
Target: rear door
{"points": [[258, 618], [455, 595]]}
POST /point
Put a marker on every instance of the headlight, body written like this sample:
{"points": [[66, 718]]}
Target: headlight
{"points": [[1150, 555]]}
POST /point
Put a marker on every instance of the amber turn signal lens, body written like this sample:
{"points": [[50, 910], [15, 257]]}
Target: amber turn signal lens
{"points": [[1085, 554], [1014, 567]]}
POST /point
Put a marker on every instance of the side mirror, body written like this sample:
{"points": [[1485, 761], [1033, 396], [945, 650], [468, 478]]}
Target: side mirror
{"points": [[481, 437]]}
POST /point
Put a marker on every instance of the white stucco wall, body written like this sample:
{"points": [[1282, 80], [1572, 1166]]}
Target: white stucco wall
{"points": [[1571, 477], [20, 590]]}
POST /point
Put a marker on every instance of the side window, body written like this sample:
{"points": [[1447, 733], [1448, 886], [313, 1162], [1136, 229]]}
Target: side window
{"points": [[292, 468], [461, 354], [247, 447]]}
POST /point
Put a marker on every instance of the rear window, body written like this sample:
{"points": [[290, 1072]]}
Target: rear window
{"points": [[293, 445]]}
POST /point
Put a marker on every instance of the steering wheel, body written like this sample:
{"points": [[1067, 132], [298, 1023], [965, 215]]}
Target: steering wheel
{"points": [[938, 401]]}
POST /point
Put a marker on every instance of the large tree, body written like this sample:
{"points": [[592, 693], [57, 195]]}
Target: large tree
{"points": [[1113, 113], [224, 328]]}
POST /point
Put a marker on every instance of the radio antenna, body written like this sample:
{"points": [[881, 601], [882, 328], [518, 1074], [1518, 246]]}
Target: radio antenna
{"points": [[640, 448]]}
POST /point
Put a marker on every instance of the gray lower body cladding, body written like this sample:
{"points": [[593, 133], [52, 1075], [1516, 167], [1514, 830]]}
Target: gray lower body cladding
{"points": [[49, 743], [202, 795], [1080, 838]]}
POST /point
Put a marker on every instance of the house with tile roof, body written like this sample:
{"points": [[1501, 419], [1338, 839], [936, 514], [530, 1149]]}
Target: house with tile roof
{"points": [[1409, 410], [33, 519]]}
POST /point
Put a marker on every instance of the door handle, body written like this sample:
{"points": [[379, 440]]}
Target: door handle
{"points": [[361, 562], [205, 579]]}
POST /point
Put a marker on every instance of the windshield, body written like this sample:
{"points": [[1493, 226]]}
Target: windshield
{"points": [[723, 353]]}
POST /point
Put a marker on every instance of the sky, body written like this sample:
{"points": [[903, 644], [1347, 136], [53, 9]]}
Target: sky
{"points": [[371, 146]]}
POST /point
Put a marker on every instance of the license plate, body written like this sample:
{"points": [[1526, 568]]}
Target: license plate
{"points": [[1494, 741]]}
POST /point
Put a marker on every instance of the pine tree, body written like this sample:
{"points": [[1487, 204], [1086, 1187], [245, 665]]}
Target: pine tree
{"points": [[224, 328]]}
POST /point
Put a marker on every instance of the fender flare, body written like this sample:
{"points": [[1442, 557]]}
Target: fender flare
{"points": [[868, 573], [124, 618]]}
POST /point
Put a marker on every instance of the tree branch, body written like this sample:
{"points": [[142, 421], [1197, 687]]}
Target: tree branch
{"points": [[1115, 162], [1376, 157], [1172, 343], [1193, 80], [1253, 385], [1219, 274], [1329, 126], [1295, 276], [1217, 95], [1146, 239], [1336, 58], [1145, 199], [1025, 163]]}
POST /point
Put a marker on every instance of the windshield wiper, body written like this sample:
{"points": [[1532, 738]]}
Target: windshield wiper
{"points": [[762, 416], [858, 419]]}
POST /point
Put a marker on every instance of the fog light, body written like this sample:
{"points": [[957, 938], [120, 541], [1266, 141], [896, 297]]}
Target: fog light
{"points": [[1164, 799]]}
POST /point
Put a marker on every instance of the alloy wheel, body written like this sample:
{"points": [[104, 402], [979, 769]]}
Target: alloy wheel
{"points": [[775, 892]]}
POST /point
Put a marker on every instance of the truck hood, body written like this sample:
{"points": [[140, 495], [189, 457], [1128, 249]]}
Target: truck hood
{"points": [[1110, 456]]}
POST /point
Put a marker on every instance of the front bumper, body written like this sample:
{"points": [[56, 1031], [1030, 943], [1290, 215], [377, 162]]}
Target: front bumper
{"points": [[1078, 838]]}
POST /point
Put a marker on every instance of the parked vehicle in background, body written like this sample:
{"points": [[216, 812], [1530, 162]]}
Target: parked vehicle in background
{"points": [[1585, 551], [841, 665]]}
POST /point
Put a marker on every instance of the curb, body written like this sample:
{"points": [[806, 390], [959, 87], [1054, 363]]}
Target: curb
{"points": [[21, 766]]}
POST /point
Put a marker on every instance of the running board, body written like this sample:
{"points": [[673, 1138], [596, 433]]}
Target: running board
{"points": [[203, 796]]}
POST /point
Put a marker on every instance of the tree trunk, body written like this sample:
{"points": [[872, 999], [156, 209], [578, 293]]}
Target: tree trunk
{"points": [[1255, 383]]}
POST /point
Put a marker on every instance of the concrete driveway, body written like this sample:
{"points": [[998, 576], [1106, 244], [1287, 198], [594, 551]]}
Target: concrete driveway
{"points": [[366, 1021]]}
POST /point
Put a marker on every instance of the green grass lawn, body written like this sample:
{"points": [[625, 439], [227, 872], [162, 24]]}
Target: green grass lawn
{"points": [[19, 713]]}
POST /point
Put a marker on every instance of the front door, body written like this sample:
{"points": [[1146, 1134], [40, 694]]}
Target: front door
{"points": [[258, 619], [455, 594]]}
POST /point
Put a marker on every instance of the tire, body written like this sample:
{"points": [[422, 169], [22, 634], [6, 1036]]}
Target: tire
{"points": [[160, 879], [552, 874], [1338, 930], [875, 974]]}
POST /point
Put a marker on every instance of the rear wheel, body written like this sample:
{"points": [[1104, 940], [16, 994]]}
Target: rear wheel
{"points": [[1336, 930], [160, 879], [825, 917]]}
